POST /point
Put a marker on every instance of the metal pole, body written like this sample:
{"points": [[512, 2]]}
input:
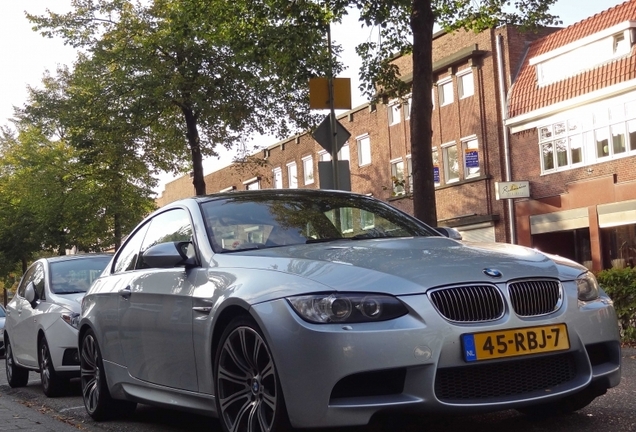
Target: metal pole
{"points": [[332, 114], [510, 205]]}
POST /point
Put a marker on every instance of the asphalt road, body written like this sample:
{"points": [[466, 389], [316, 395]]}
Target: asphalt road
{"points": [[615, 412]]}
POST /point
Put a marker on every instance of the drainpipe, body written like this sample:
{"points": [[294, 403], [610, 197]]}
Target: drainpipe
{"points": [[503, 102]]}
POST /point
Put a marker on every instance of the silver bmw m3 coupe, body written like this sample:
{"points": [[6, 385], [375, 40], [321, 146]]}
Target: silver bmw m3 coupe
{"points": [[315, 308]]}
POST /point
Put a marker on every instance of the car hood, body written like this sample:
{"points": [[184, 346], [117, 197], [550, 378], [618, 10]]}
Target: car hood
{"points": [[425, 262], [73, 302]]}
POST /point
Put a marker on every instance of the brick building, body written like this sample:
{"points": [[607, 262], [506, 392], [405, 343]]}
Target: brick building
{"points": [[572, 117], [556, 108], [467, 137]]}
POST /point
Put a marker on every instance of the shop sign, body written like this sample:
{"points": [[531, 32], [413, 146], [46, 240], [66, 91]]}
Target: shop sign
{"points": [[516, 189]]}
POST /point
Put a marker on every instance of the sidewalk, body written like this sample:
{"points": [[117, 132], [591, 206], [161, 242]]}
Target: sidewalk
{"points": [[17, 417]]}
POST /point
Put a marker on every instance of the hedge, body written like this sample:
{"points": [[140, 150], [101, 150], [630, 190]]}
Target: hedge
{"points": [[620, 285]]}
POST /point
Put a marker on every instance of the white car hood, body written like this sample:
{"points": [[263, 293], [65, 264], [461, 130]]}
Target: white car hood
{"points": [[425, 261], [73, 302]]}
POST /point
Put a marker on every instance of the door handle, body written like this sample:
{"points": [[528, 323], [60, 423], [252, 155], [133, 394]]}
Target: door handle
{"points": [[125, 292]]}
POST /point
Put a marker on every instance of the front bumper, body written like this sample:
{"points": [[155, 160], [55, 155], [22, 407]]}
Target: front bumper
{"points": [[342, 374]]}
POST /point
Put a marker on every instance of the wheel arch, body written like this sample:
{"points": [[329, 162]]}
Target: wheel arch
{"points": [[220, 324]]}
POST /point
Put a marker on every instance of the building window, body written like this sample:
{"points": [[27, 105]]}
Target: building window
{"points": [[292, 175], [364, 150], [597, 133], [451, 162], [409, 168], [564, 63], [407, 108], [394, 113], [471, 157], [397, 176], [278, 178], [323, 156], [465, 84], [308, 170], [435, 154], [252, 184], [343, 154], [445, 90], [228, 189]]}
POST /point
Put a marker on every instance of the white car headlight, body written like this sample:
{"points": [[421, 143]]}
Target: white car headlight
{"points": [[71, 318], [347, 308], [587, 287]]}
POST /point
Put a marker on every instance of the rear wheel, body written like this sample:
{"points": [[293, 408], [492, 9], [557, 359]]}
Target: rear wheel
{"points": [[52, 383], [97, 399], [249, 396], [16, 376]]}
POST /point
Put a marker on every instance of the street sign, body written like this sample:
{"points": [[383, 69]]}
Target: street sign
{"points": [[325, 174], [319, 93], [322, 135]]}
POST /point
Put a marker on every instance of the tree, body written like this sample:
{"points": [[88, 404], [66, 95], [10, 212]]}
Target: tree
{"points": [[406, 27], [201, 73], [116, 175]]}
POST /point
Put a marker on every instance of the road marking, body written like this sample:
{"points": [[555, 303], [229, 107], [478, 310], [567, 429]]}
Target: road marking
{"points": [[72, 408]]}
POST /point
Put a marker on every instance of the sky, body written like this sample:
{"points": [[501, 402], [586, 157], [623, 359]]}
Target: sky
{"points": [[27, 54]]}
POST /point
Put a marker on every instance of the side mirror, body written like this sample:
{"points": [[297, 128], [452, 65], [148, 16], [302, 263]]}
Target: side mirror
{"points": [[170, 255], [30, 295], [451, 233]]}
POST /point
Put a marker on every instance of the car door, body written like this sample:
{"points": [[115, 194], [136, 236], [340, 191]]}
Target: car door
{"points": [[23, 318], [155, 312]]}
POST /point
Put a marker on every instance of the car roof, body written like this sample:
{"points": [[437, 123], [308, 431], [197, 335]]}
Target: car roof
{"points": [[61, 258], [260, 193]]}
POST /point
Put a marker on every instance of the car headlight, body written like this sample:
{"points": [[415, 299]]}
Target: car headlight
{"points": [[71, 318], [347, 308], [587, 287]]}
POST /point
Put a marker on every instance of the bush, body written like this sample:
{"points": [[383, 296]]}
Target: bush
{"points": [[620, 285]]}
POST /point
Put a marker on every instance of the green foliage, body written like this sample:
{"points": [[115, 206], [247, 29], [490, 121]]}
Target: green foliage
{"points": [[194, 74], [620, 285]]}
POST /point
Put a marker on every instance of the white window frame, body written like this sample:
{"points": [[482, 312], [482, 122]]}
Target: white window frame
{"points": [[474, 145], [292, 175], [394, 113], [409, 173], [344, 153], [446, 160], [395, 163], [445, 91], [308, 169], [324, 156], [228, 189], [277, 174], [364, 150], [252, 184], [407, 108], [461, 83]]}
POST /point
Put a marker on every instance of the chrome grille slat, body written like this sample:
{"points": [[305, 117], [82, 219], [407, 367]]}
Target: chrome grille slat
{"points": [[535, 297], [470, 303]]}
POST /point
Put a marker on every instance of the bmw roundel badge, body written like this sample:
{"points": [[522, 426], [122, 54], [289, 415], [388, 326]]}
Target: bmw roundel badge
{"points": [[493, 272]]}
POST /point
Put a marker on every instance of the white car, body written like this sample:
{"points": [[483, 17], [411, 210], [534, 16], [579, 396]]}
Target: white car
{"points": [[40, 333], [2, 317]]}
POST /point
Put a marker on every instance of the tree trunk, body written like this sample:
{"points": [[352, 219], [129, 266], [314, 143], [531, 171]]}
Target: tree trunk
{"points": [[195, 148], [422, 21]]}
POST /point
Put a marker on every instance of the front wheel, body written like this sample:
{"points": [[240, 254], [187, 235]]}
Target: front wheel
{"points": [[52, 383], [97, 399], [248, 392], [16, 375]]}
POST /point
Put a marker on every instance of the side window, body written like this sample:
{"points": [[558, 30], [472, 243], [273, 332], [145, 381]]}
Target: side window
{"points": [[171, 226], [127, 256], [38, 281], [28, 277]]}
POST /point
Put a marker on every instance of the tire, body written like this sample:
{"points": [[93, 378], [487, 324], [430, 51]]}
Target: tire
{"points": [[16, 376], [52, 384], [248, 391], [97, 399], [567, 405]]}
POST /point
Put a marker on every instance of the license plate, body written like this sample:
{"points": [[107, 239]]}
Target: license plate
{"points": [[515, 342]]}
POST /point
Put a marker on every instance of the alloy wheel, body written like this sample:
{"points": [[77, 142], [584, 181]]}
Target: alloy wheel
{"points": [[246, 382], [90, 374], [45, 364], [8, 361]]}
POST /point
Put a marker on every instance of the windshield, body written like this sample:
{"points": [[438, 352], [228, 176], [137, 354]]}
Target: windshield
{"points": [[250, 222], [2, 312], [76, 275]]}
